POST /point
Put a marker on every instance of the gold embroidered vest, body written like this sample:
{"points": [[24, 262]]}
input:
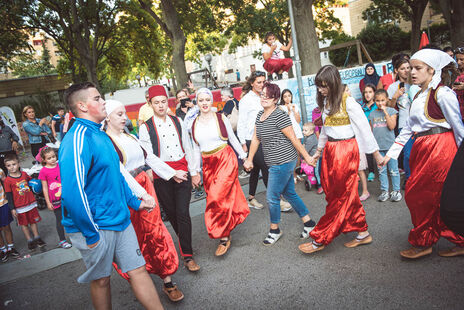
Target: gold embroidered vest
{"points": [[340, 118]]}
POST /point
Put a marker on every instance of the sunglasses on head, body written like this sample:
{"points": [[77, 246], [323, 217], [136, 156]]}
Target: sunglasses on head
{"points": [[260, 73], [459, 50]]}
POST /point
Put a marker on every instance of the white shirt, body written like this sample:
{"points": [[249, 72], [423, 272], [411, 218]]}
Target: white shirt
{"points": [[277, 54], [249, 106], [403, 102], [358, 128], [170, 149], [296, 126], [207, 136], [418, 122], [135, 158]]}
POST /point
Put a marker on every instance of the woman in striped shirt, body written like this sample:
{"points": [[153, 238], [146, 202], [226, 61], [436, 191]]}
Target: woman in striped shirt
{"points": [[273, 129]]}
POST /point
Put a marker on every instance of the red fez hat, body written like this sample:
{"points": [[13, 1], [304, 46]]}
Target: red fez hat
{"points": [[157, 90]]}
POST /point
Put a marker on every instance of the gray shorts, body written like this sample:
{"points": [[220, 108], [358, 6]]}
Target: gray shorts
{"points": [[120, 247]]}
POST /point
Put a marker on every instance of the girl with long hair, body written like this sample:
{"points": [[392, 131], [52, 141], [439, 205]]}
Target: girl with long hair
{"points": [[345, 134], [435, 122]]}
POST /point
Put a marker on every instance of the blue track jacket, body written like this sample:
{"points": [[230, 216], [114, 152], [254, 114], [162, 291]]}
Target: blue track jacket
{"points": [[94, 193]]}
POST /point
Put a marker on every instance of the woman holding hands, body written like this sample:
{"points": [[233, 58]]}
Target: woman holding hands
{"points": [[274, 131]]}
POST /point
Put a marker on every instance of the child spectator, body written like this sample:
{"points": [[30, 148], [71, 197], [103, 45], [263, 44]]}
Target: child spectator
{"points": [[369, 106], [57, 120], [317, 121], [274, 60], [362, 164], [310, 143], [6, 239], [383, 123], [22, 202], [51, 186]]}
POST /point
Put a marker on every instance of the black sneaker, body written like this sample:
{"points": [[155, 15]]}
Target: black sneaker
{"points": [[3, 256], [31, 245], [40, 242], [307, 186], [13, 252]]}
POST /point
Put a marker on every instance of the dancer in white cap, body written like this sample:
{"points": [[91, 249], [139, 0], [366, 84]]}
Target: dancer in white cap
{"points": [[435, 121]]}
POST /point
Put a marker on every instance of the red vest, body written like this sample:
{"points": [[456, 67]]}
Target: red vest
{"points": [[432, 110], [220, 124]]}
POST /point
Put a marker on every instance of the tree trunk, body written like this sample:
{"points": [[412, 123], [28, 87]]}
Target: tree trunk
{"points": [[308, 42], [457, 23], [178, 41], [171, 26], [417, 8]]}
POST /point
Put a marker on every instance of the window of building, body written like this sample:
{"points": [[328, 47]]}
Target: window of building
{"points": [[37, 42]]}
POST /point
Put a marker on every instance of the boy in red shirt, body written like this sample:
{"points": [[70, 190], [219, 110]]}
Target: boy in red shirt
{"points": [[21, 201]]}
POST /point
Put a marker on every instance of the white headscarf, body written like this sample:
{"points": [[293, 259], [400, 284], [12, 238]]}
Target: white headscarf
{"points": [[112, 105], [435, 59]]}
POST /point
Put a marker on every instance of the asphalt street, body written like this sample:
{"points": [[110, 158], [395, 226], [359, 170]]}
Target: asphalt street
{"points": [[252, 276]]}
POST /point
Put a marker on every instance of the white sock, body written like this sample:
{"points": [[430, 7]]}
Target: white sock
{"points": [[359, 237], [3, 249], [10, 246]]}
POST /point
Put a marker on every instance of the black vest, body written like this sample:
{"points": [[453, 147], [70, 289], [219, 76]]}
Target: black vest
{"points": [[154, 138]]}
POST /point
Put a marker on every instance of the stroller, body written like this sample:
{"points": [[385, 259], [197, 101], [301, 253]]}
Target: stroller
{"points": [[307, 173]]}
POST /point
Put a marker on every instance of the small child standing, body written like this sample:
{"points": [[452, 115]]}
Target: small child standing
{"points": [[22, 202], [6, 239], [383, 123], [51, 186], [310, 144]]}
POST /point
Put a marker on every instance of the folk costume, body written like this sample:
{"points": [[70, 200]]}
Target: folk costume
{"points": [[436, 123], [226, 205], [343, 136], [154, 239], [169, 140]]}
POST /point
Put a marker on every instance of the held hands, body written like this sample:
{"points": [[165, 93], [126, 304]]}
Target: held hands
{"points": [[148, 203], [196, 179], [248, 164], [310, 160], [381, 161], [180, 176]]}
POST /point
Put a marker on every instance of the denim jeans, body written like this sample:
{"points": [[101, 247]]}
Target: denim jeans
{"points": [[392, 167], [280, 182], [317, 172], [407, 152]]}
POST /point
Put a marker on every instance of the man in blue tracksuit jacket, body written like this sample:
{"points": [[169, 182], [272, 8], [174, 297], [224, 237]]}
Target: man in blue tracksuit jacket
{"points": [[95, 197]]}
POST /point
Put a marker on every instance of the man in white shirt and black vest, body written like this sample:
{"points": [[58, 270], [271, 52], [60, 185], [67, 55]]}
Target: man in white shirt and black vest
{"points": [[166, 136]]}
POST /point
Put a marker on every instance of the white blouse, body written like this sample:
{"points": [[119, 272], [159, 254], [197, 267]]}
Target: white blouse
{"points": [[418, 122], [135, 158], [358, 128], [249, 107], [296, 126], [207, 136]]}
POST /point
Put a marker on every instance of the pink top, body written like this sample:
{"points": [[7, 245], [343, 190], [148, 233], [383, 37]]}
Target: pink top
{"points": [[52, 176], [315, 115]]}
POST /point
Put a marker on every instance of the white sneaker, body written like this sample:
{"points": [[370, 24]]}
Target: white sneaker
{"points": [[285, 206], [307, 230], [253, 203], [396, 196], [243, 175], [384, 196]]}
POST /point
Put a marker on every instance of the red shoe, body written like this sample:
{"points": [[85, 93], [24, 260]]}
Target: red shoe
{"points": [[320, 190]]}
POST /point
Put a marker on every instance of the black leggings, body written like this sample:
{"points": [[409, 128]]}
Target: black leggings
{"points": [[59, 226], [370, 162], [258, 165]]}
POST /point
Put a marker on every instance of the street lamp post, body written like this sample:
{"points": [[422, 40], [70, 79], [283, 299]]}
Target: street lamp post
{"points": [[304, 115], [209, 58]]}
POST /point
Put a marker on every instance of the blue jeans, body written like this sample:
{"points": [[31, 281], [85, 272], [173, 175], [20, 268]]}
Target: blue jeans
{"points": [[280, 182], [392, 167], [407, 153]]}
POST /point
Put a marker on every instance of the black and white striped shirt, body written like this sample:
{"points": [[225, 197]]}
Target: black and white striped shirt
{"points": [[277, 148]]}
